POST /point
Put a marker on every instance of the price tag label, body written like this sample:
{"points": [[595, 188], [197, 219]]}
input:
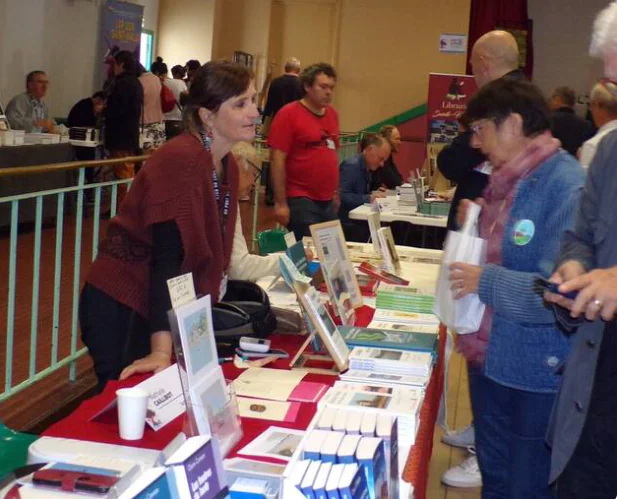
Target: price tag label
{"points": [[181, 290]]}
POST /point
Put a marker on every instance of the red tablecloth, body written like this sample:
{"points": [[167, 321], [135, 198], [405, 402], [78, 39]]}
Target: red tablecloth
{"points": [[78, 425]]}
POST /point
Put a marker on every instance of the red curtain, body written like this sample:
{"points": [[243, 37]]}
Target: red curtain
{"points": [[511, 15]]}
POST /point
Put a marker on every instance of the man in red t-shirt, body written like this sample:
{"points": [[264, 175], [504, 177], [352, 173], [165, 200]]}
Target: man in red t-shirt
{"points": [[304, 164]]}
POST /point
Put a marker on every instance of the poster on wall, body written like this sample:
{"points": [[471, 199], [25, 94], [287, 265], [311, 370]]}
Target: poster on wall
{"points": [[122, 23], [448, 95]]}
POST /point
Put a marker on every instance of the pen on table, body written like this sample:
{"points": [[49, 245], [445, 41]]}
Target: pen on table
{"points": [[222, 360]]}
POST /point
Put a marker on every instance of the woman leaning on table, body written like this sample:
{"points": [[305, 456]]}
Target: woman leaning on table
{"points": [[513, 358], [179, 216]]}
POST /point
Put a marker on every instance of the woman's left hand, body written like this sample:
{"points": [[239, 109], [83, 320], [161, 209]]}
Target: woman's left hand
{"points": [[465, 278], [597, 294]]}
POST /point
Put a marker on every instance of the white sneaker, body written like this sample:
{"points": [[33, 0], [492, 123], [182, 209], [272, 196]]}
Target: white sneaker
{"points": [[465, 475], [463, 438]]}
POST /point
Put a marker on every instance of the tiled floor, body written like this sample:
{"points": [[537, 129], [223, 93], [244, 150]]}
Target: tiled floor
{"points": [[458, 415]]}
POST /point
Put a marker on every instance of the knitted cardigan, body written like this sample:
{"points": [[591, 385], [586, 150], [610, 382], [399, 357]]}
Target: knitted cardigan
{"points": [[525, 346], [174, 184]]}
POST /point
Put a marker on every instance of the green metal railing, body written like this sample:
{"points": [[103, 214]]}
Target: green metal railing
{"points": [[104, 194], [76, 194]]}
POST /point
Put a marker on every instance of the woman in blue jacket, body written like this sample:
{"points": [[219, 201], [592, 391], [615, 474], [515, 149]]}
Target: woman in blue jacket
{"points": [[515, 356]]}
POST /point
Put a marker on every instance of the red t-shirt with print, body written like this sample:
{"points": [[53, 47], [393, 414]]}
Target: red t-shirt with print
{"points": [[310, 142]]}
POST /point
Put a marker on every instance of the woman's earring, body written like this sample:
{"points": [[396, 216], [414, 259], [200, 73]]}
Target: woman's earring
{"points": [[207, 139]]}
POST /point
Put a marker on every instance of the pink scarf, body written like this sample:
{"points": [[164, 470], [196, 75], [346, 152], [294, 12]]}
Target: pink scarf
{"points": [[498, 198]]}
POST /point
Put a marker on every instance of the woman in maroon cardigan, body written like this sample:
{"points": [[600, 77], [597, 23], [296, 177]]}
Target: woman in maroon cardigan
{"points": [[178, 217]]}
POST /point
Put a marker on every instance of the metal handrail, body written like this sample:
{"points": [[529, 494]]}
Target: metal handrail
{"points": [[71, 165]]}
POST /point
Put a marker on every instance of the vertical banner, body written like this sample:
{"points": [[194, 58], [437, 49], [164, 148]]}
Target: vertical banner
{"points": [[121, 31], [448, 95]]}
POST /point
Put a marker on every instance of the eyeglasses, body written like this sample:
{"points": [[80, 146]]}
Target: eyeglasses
{"points": [[478, 127]]}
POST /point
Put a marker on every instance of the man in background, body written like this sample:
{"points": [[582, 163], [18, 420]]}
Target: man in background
{"points": [[303, 143], [192, 65], [493, 56], [567, 126], [28, 111], [388, 176], [603, 106], [284, 89], [356, 183]]}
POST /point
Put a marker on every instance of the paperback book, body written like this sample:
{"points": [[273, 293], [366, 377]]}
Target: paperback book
{"points": [[403, 340], [389, 361]]}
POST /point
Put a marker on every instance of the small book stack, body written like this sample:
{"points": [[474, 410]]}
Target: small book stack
{"points": [[404, 298], [368, 377], [401, 317], [407, 195], [390, 361], [390, 338]]}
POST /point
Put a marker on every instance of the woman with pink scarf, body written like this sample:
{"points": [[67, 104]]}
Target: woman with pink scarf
{"points": [[515, 357]]}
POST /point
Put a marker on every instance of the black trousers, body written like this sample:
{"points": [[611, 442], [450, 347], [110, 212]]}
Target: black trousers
{"points": [[115, 334], [304, 212]]}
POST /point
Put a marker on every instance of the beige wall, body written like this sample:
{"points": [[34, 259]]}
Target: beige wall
{"points": [[243, 25], [185, 30], [386, 51]]}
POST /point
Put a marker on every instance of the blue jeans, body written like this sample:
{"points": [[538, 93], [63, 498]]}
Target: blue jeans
{"points": [[510, 428], [304, 212]]}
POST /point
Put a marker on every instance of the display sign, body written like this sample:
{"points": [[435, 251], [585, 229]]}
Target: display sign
{"points": [[453, 43], [122, 23], [448, 95]]}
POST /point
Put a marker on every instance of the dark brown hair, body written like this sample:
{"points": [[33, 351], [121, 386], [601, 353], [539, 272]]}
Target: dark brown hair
{"points": [[309, 74], [213, 84]]}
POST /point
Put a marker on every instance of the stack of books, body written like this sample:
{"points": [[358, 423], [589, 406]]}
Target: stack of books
{"points": [[350, 464], [402, 317], [390, 361], [407, 195], [422, 341], [404, 298]]}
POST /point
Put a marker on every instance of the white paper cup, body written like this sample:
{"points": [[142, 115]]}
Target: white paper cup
{"points": [[132, 406]]}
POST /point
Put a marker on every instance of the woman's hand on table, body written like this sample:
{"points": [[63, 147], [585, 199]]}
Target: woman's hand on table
{"points": [[151, 363], [465, 278], [597, 294]]}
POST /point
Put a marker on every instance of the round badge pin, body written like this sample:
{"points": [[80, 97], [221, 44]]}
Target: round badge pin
{"points": [[523, 232]]}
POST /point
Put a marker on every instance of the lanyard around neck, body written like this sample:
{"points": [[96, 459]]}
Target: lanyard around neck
{"points": [[224, 207]]}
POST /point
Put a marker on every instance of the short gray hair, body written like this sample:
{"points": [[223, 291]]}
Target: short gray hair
{"points": [[605, 99], [292, 64], [604, 36], [245, 155]]}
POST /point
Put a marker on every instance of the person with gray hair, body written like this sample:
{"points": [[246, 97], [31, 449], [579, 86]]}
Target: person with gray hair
{"points": [[603, 107], [284, 89], [356, 183], [566, 125], [583, 429]]}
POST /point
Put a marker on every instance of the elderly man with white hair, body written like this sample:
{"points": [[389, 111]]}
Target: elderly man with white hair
{"points": [[603, 106], [583, 431]]}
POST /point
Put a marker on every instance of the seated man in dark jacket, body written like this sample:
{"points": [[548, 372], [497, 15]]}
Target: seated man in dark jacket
{"points": [[388, 176], [567, 126], [355, 184]]}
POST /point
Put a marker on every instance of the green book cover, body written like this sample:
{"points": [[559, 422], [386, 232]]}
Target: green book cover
{"points": [[384, 338]]}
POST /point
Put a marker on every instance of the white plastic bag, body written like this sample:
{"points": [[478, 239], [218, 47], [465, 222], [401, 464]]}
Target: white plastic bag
{"points": [[464, 315]]}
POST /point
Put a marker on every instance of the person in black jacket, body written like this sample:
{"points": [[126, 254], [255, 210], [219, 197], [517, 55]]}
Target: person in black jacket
{"points": [[388, 176], [284, 89], [494, 56], [566, 125], [123, 115]]}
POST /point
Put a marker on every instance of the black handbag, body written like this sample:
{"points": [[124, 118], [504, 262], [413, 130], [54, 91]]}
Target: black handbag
{"points": [[243, 311]]}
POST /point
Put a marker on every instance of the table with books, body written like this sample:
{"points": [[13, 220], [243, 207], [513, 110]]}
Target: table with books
{"points": [[318, 397]]}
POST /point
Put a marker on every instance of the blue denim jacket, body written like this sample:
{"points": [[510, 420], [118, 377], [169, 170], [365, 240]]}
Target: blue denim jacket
{"points": [[525, 345]]}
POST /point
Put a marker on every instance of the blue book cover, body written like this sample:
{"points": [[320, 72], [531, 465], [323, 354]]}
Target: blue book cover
{"points": [[196, 470], [306, 487], [353, 483], [347, 450], [387, 429], [297, 255], [371, 457], [333, 480], [319, 485], [381, 338]]}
